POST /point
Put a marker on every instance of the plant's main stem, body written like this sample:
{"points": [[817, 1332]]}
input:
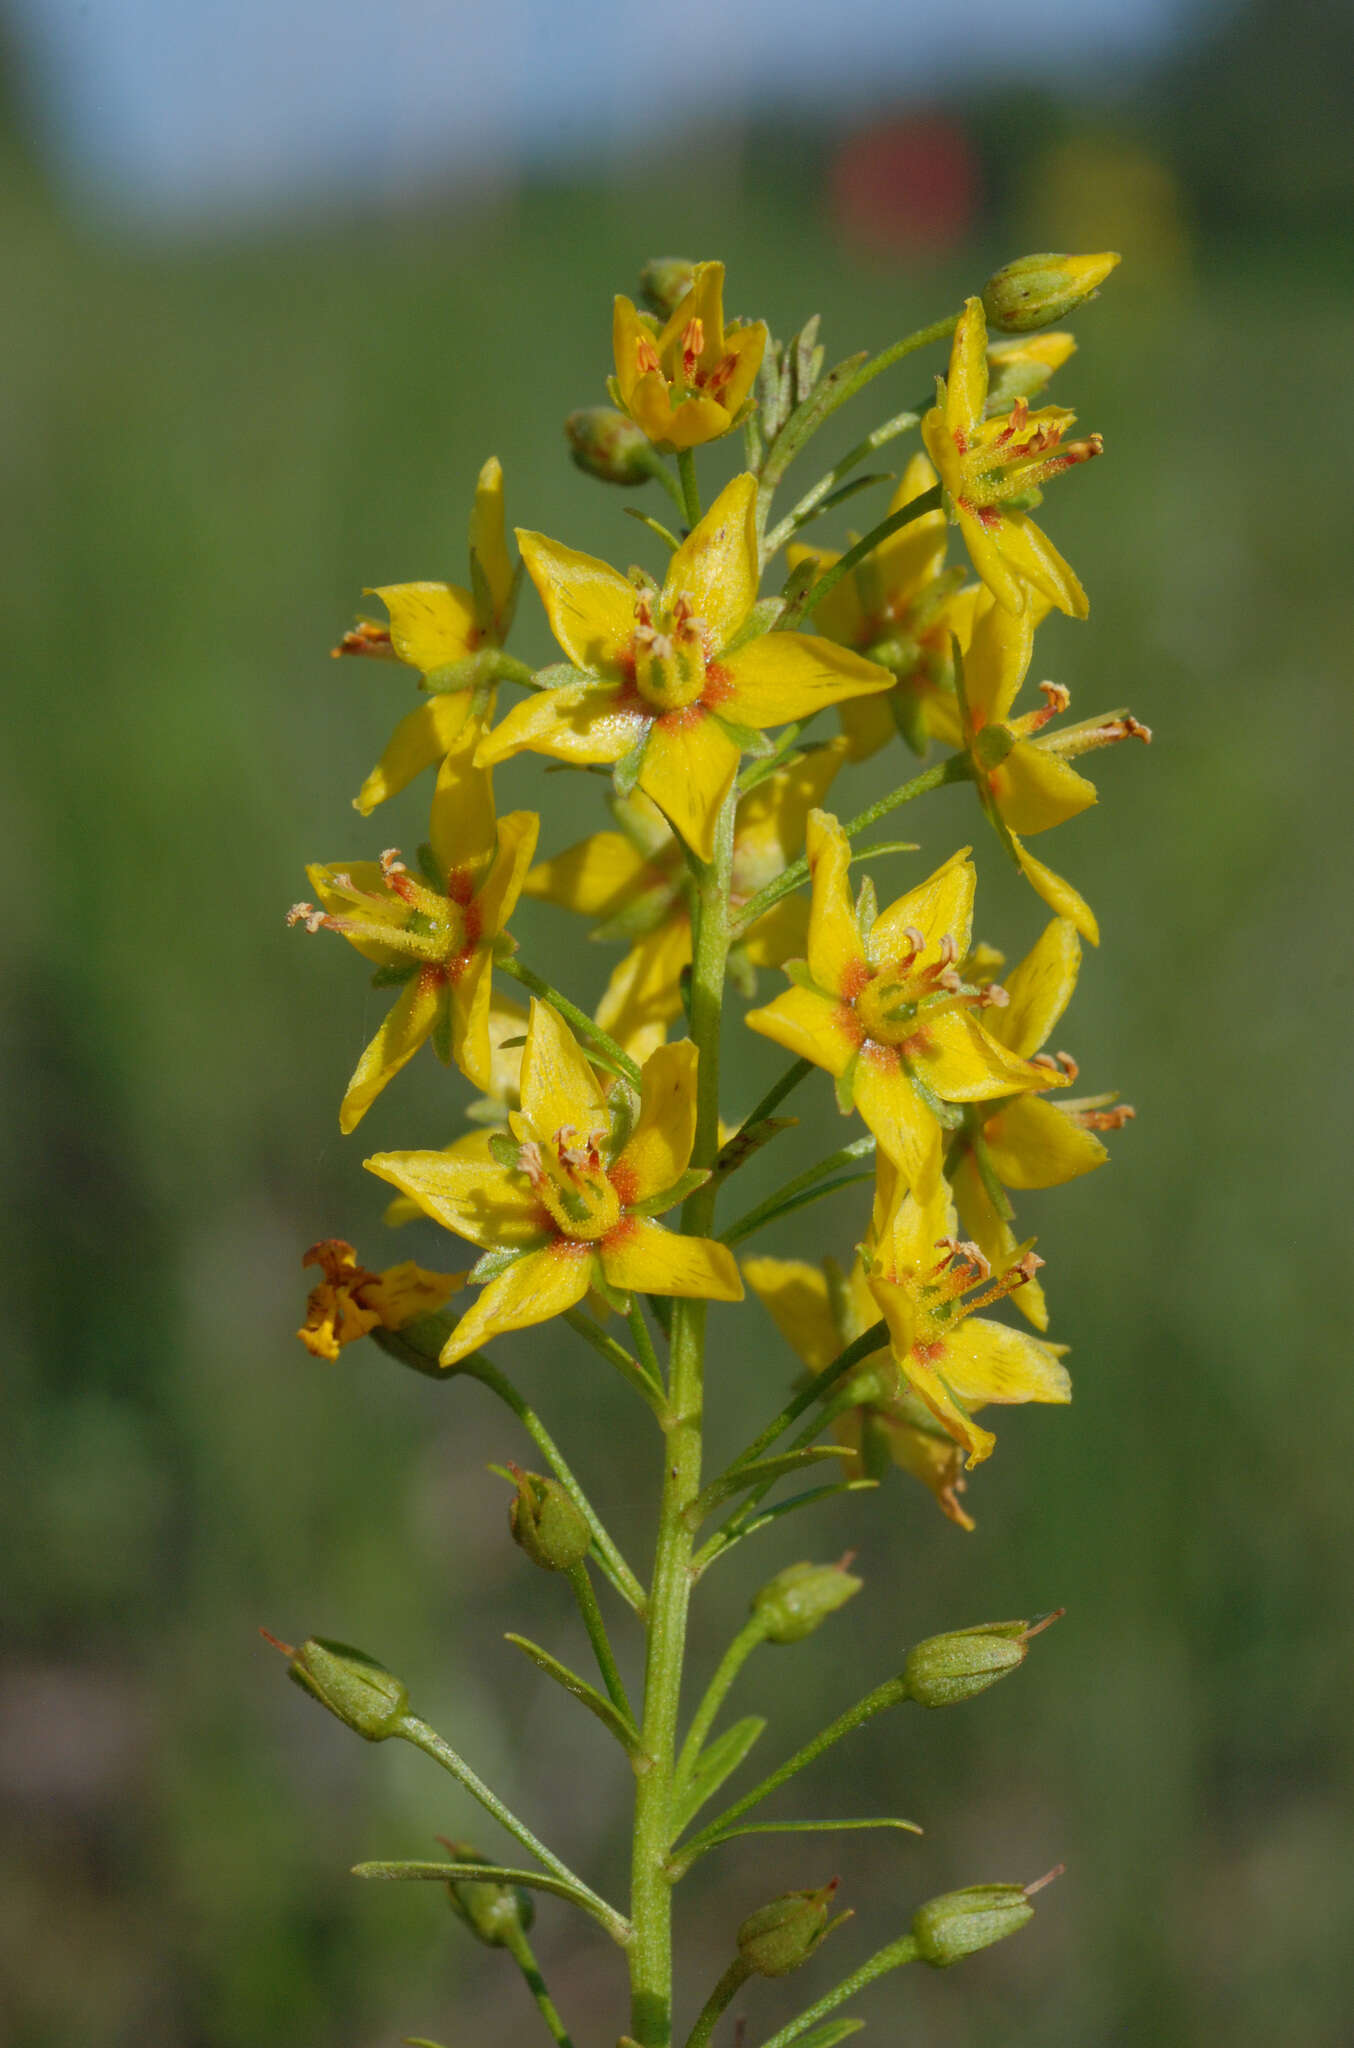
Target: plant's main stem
{"points": [[670, 1592]]}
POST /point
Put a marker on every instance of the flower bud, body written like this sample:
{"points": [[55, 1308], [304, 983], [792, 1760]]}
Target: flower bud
{"points": [[546, 1524], [797, 1600], [1034, 291], [664, 282], [778, 1938], [958, 1924], [945, 1669], [606, 444], [493, 1911], [361, 1692]]}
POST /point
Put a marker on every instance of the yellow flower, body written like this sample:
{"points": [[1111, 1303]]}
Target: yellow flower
{"points": [[992, 469], [819, 1312], [635, 881], [685, 383], [953, 1359], [507, 1023], [1023, 1141], [1021, 771], [434, 627], [575, 1207], [350, 1300], [900, 606], [881, 1004], [436, 935], [664, 684], [1021, 368]]}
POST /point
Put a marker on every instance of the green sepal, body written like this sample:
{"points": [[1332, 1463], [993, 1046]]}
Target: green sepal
{"points": [[798, 584], [505, 1151], [656, 1205], [558, 673], [616, 1301], [623, 1107], [587, 1695], [613, 392], [800, 973], [641, 915], [867, 906], [483, 596], [395, 975], [845, 1086], [430, 867], [949, 1115], [716, 1762], [761, 619], [441, 1036], [489, 1265], [747, 738], [625, 772]]}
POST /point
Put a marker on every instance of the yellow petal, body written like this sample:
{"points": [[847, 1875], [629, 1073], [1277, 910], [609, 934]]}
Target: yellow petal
{"points": [[584, 722], [986, 551], [915, 1217], [1035, 1144], [406, 1026], [488, 539], [966, 384], [836, 950], [1034, 789], [516, 843], [644, 992], [792, 675], [795, 1295], [925, 1381], [629, 332], [1039, 990], [746, 343], [897, 1115], [595, 877], [940, 907], [839, 615], [986, 1361], [337, 883], [773, 818], [997, 659], [543, 1284], [994, 1236], [430, 623], [716, 566], [471, 992], [590, 606], [408, 1290], [781, 935], [643, 1257], [940, 446], [868, 724], [690, 424], [560, 1091], [811, 1026], [1058, 894], [688, 769], [1033, 557], [703, 300], [461, 827], [929, 1455], [467, 1192], [963, 1063], [426, 735], [659, 1149]]}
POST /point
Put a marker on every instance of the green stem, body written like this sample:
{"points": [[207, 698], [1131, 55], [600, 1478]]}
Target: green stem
{"points": [[891, 1958], [630, 1369], [723, 1995], [873, 1339], [731, 1663], [739, 1524], [417, 1732], [929, 501], [670, 485], [772, 1099], [477, 1367], [795, 1192], [519, 1948], [691, 490], [801, 513], [581, 1582], [648, 1357], [670, 1592], [886, 1695], [616, 1055], [956, 769]]}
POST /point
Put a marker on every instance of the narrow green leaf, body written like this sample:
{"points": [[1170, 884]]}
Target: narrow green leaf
{"points": [[811, 1827], [718, 1761], [654, 526], [607, 1713], [495, 1873], [831, 2034], [764, 1472], [719, 1544]]}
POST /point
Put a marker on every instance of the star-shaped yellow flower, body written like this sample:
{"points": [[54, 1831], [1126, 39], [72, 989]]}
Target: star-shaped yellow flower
{"points": [[928, 1285], [433, 627], [664, 681], [1021, 771], [880, 1003], [351, 1300], [575, 1207], [507, 1025], [900, 606], [685, 383], [635, 881], [819, 1311], [435, 935], [1023, 1141], [993, 468]]}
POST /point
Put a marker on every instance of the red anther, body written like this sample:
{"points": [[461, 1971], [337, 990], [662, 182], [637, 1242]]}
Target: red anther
{"points": [[364, 638], [1068, 1064], [1134, 729], [646, 356], [693, 347], [991, 996], [1104, 1119]]}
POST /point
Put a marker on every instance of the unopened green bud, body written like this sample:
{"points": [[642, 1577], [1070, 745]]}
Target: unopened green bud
{"points": [[797, 1600], [958, 1924], [948, 1668], [1034, 291], [361, 1692], [546, 1523], [664, 282], [493, 1911], [778, 1938], [608, 445]]}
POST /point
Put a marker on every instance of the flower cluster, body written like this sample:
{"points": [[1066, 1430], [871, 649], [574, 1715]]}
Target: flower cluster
{"points": [[691, 690]]}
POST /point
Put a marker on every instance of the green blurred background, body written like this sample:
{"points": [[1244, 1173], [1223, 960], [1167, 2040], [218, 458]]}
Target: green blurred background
{"points": [[210, 446]]}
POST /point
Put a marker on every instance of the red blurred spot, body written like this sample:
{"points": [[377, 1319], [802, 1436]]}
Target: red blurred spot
{"points": [[906, 185]]}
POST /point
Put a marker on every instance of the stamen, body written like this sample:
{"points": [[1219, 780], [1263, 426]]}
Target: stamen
{"points": [[305, 913], [646, 356], [693, 347], [1058, 697], [1104, 1119], [991, 996], [366, 637]]}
